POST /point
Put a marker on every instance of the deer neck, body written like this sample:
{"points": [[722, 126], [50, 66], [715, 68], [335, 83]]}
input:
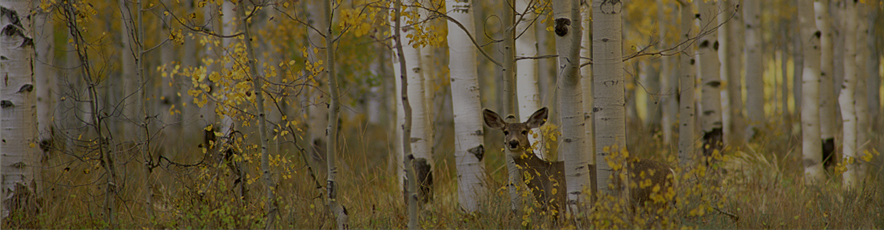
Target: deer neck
{"points": [[527, 160]]}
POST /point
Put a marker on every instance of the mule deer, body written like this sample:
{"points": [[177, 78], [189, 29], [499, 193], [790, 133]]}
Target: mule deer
{"points": [[546, 179]]}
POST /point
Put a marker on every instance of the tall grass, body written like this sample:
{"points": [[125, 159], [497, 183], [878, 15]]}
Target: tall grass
{"points": [[757, 186]]}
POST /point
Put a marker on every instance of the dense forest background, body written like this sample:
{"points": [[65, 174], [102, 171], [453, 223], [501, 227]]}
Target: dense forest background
{"points": [[216, 114]]}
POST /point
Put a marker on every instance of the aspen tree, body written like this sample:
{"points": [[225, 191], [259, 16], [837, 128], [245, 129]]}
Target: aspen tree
{"points": [[469, 150], [810, 129]]}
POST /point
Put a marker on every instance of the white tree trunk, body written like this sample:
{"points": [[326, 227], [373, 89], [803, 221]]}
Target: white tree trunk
{"points": [[508, 89], [687, 85], [668, 78], [730, 72], [586, 83], [526, 69], [609, 87], [469, 151], [863, 125], [125, 93], [708, 68], [754, 63], [568, 35], [428, 84], [846, 97], [872, 66], [18, 128], [416, 96], [420, 141], [826, 91], [810, 129], [411, 196], [45, 76]]}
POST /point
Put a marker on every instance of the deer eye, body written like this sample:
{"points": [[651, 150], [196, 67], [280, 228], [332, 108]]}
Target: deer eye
{"points": [[524, 132]]}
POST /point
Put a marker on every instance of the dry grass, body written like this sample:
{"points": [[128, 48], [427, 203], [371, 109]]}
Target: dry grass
{"points": [[762, 188]]}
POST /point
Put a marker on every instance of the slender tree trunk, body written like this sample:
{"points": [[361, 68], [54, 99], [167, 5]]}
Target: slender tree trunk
{"points": [[863, 125], [586, 83], [526, 69], [609, 87], [668, 78], [708, 69], [650, 81], [469, 151], [797, 61], [418, 139], [406, 128], [836, 9], [422, 130], [258, 90], [730, 72], [45, 76], [142, 119], [510, 102], [425, 162], [687, 85], [20, 161], [846, 98], [568, 35], [171, 123], [754, 63], [872, 66], [827, 96], [810, 129], [226, 122]]}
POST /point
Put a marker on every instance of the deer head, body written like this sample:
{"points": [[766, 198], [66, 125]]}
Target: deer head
{"points": [[516, 134]]}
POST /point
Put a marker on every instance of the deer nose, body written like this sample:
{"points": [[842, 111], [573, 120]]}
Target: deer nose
{"points": [[514, 144]]}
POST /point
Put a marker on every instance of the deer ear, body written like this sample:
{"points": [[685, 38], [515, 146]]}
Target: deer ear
{"points": [[538, 118], [492, 119]]}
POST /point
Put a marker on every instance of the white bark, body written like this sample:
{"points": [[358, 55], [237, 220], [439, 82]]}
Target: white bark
{"points": [[418, 139], [526, 69], [45, 76], [18, 128], [826, 91], [668, 78], [428, 84], [586, 83], [568, 35], [708, 69], [687, 85], [872, 66], [650, 91], [754, 65], [508, 89], [863, 125], [810, 129], [406, 128], [468, 136], [730, 72], [609, 87], [846, 98]]}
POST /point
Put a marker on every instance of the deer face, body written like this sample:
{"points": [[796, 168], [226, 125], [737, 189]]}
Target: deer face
{"points": [[516, 134]]}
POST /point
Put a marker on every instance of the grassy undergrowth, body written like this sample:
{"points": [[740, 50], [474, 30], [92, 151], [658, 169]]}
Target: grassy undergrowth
{"points": [[757, 186]]}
